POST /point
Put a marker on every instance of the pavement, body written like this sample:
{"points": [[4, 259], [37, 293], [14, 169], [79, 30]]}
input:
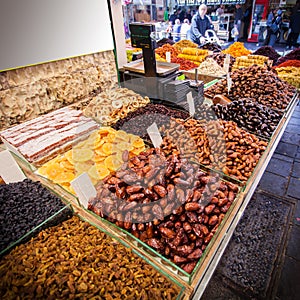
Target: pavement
{"points": [[262, 259]]}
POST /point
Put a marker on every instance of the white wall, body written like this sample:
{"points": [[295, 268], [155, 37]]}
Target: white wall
{"points": [[37, 31]]}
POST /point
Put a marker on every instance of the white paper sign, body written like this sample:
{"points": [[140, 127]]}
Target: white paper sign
{"points": [[10, 171], [226, 63], [84, 189], [168, 57], [229, 82], [191, 103], [154, 135]]}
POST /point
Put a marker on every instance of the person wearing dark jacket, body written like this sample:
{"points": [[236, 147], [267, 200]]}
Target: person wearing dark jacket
{"points": [[275, 28], [294, 26], [246, 20], [238, 15], [200, 23]]}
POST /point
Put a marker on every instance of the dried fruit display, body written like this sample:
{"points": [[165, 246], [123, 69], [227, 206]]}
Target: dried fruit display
{"points": [[247, 61], [138, 121], [237, 49], [290, 74], [110, 106], [261, 84], [184, 63], [42, 138], [24, 206], [75, 260], [167, 203], [295, 55], [161, 51], [269, 52], [219, 144], [249, 115], [102, 153]]}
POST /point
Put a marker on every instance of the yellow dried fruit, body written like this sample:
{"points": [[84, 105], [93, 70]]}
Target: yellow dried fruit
{"points": [[82, 155]]}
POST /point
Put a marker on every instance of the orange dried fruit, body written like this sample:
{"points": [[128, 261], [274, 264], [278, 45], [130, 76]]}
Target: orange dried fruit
{"points": [[64, 177]]}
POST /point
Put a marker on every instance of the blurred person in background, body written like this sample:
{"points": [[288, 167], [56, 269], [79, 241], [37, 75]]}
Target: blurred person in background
{"points": [[294, 26], [270, 18], [185, 28], [176, 30], [200, 23], [238, 17], [246, 20], [220, 11], [275, 28]]}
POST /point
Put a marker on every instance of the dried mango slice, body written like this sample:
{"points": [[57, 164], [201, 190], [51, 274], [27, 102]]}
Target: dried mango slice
{"points": [[125, 146], [65, 164], [137, 151], [64, 177], [122, 135], [98, 144], [82, 167], [111, 137], [102, 172], [93, 172], [99, 158], [138, 143], [107, 148], [82, 155], [105, 130], [69, 156], [112, 163], [52, 170]]}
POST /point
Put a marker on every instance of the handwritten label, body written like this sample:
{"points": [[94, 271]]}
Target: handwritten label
{"points": [[154, 135], [226, 63], [168, 57], [191, 103], [229, 82], [10, 171], [84, 189]]}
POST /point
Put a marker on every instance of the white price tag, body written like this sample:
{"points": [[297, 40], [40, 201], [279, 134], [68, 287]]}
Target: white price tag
{"points": [[10, 171], [84, 189], [168, 57], [191, 103], [154, 135], [229, 82], [226, 63]]}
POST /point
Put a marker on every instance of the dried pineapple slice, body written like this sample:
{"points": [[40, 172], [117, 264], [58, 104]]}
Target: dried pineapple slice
{"points": [[93, 172], [69, 156], [112, 163], [81, 155], [122, 135], [108, 148], [102, 172], [125, 146], [138, 143], [137, 151]]}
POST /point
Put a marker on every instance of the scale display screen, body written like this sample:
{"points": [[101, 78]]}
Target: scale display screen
{"points": [[140, 35]]}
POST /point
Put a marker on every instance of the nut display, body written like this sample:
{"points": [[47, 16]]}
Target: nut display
{"points": [[167, 203], [219, 144], [220, 57], [101, 153], [249, 115], [77, 261], [259, 83], [25, 205], [211, 67], [110, 106], [211, 47]]}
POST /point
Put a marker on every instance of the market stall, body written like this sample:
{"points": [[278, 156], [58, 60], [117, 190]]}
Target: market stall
{"points": [[155, 206]]}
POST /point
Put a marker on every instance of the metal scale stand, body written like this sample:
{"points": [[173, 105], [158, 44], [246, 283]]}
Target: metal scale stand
{"points": [[157, 80]]}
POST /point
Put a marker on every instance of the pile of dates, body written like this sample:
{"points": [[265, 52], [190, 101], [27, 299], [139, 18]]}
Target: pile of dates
{"points": [[166, 202], [249, 115], [258, 83]]}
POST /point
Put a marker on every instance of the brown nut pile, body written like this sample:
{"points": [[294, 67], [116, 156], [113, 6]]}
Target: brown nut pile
{"points": [[77, 261], [259, 83], [220, 58], [218, 144], [169, 204]]}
